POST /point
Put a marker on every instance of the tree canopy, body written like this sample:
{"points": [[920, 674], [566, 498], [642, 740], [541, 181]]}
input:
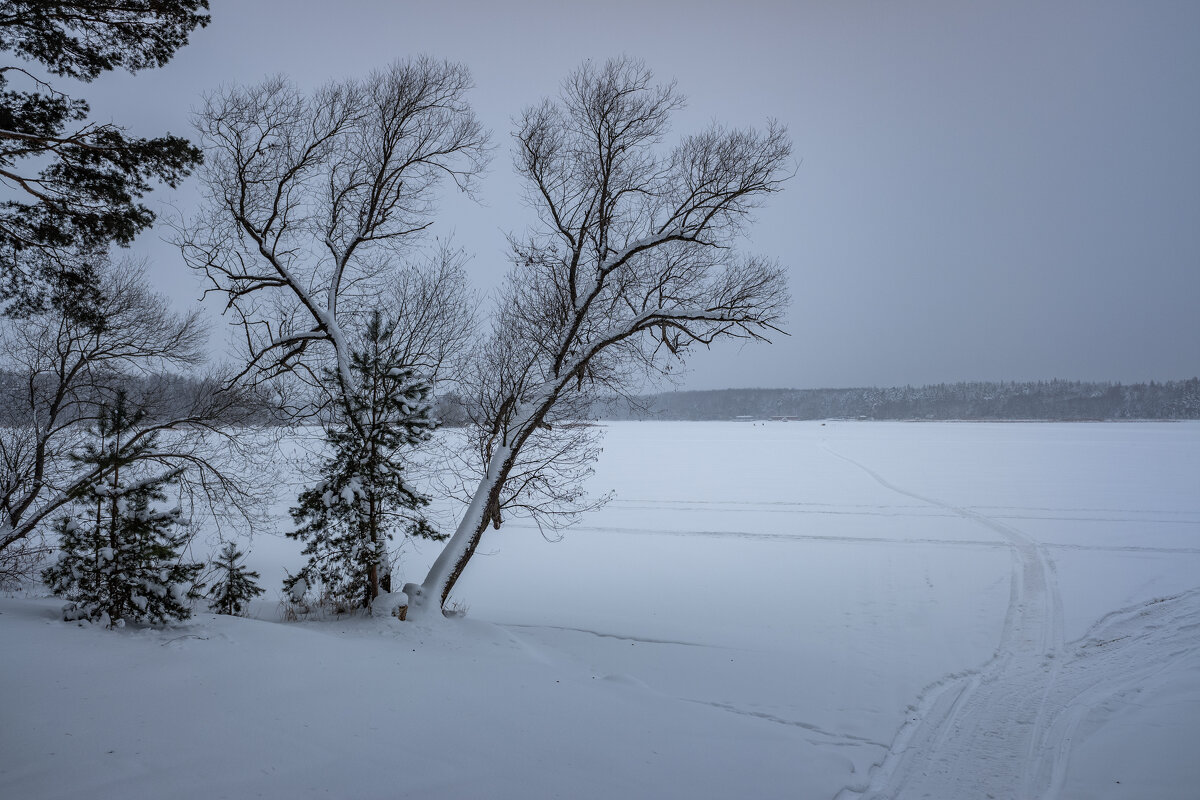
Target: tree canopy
{"points": [[73, 187]]}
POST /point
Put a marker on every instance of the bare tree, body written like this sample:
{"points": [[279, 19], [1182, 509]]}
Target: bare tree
{"points": [[314, 203], [60, 370], [313, 209], [629, 269]]}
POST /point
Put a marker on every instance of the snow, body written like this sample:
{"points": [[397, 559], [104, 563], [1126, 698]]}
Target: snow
{"points": [[790, 610]]}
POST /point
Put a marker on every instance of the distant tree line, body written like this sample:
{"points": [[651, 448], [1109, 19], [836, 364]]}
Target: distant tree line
{"points": [[158, 395], [1040, 400], [1033, 400]]}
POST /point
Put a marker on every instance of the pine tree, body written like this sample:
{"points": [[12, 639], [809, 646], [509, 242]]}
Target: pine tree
{"points": [[121, 556], [234, 586], [348, 518], [74, 185]]}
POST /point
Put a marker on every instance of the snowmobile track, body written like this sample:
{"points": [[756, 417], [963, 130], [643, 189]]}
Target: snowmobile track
{"points": [[1006, 730]]}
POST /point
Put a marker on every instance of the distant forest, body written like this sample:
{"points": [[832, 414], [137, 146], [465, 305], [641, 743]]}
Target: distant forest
{"points": [[1041, 400], [160, 396]]}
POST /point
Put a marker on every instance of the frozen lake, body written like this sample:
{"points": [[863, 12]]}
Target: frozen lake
{"points": [[716, 525], [852, 565], [847, 609]]}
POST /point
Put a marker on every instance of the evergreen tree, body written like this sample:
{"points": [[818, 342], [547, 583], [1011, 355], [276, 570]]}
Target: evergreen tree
{"points": [[73, 186], [348, 518], [121, 555], [234, 586]]}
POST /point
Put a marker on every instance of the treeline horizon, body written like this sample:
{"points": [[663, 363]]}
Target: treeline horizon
{"points": [[1053, 400]]}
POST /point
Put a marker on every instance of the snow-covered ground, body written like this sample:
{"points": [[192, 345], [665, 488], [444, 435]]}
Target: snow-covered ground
{"points": [[810, 610]]}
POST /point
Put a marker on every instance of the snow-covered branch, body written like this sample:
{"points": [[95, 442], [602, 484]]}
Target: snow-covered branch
{"points": [[632, 268], [314, 203]]}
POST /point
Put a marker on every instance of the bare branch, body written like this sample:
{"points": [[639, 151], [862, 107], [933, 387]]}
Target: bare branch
{"points": [[314, 205], [631, 269], [68, 369]]}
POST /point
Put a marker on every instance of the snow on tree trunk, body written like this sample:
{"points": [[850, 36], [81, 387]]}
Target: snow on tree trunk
{"points": [[630, 268], [426, 599]]}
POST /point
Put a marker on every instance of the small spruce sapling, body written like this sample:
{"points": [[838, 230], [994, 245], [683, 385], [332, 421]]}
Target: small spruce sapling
{"points": [[121, 555], [235, 585], [348, 518]]}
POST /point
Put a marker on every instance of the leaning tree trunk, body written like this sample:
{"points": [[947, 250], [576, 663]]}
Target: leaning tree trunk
{"points": [[427, 598]]}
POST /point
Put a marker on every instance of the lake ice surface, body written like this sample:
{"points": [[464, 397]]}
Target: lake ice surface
{"points": [[791, 609]]}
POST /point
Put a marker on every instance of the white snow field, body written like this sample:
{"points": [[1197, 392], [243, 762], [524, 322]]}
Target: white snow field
{"points": [[801, 610]]}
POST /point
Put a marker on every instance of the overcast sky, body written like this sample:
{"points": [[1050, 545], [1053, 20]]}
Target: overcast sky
{"points": [[985, 190]]}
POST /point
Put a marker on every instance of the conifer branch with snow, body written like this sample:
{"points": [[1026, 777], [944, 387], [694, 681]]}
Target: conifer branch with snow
{"points": [[364, 496], [233, 585], [122, 553]]}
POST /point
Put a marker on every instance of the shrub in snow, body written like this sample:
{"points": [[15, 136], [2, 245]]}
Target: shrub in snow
{"points": [[121, 555], [347, 520], [234, 586]]}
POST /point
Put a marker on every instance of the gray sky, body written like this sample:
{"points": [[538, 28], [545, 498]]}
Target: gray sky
{"points": [[986, 190]]}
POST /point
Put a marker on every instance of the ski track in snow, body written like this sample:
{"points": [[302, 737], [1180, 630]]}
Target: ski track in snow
{"points": [[617, 636], [828, 737], [1156, 516], [808, 537], [1006, 729], [821, 736]]}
